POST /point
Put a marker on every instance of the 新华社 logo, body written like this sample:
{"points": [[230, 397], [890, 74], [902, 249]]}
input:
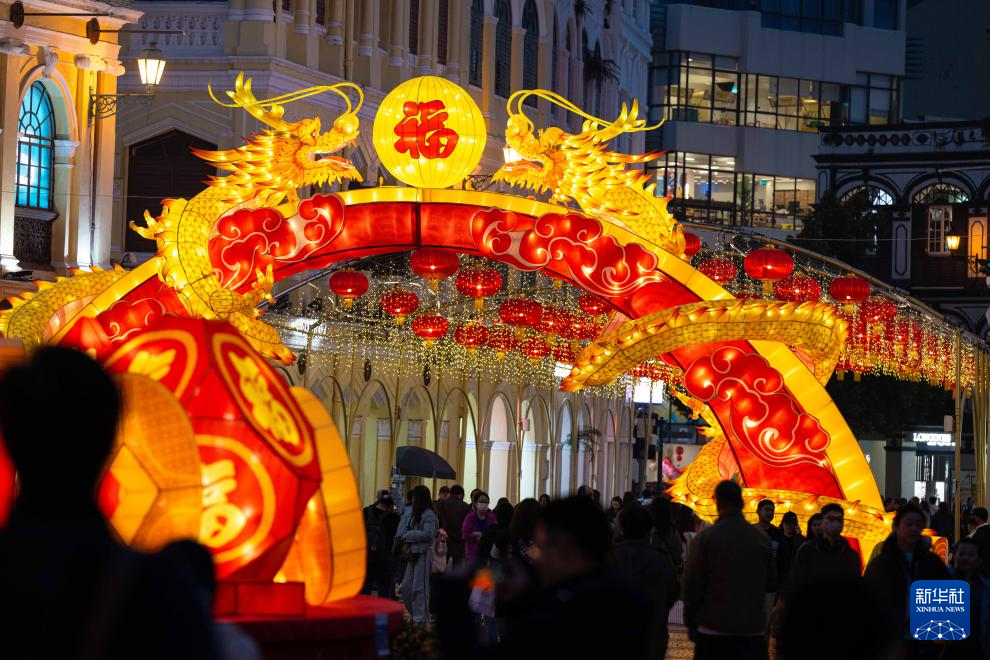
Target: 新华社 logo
{"points": [[939, 610]]}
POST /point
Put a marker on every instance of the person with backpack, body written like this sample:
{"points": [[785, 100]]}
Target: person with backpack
{"points": [[380, 523]]}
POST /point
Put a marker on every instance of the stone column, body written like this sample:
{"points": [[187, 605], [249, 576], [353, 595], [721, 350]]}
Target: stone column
{"points": [[9, 111], [65, 157], [334, 61], [426, 57], [366, 66], [458, 30], [488, 69], [257, 29], [516, 69], [396, 71]]}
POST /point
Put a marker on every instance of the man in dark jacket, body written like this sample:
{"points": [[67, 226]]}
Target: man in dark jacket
{"points": [[790, 541], [380, 523], [451, 513], [982, 537], [903, 559], [648, 567], [729, 569], [828, 557]]}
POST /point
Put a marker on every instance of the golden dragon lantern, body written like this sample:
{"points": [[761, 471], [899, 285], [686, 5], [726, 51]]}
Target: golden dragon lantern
{"points": [[269, 458]]}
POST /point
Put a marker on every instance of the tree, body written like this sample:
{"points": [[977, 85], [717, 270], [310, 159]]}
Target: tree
{"points": [[842, 230]]}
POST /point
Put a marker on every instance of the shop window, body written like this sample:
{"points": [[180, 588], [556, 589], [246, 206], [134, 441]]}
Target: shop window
{"points": [[939, 224], [477, 40], [35, 149]]}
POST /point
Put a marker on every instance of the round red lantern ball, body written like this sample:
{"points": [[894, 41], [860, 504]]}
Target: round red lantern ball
{"points": [[719, 270], [430, 327], [553, 319], [471, 336], [501, 340], [433, 264], [593, 305], [768, 264], [535, 348], [797, 288], [478, 283], [348, 285], [849, 290], [399, 303], [692, 244], [520, 313]]}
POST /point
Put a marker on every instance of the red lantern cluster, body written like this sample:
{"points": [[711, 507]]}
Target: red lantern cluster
{"points": [[798, 289], [348, 285], [433, 265], [768, 265], [471, 336], [399, 303], [877, 310], [520, 313], [592, 305], [564, 354], [692, 244], [719, 270], [430, 327], [479, 283]]}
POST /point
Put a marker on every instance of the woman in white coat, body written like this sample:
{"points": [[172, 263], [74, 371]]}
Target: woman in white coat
{"points": [[417, 533]]}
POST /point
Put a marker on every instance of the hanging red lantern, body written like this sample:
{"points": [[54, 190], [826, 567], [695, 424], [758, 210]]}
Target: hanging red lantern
{"points": [[553, 319], [400, 304], [593, 305], [430, 327], [849, 291], [564, 354], [520, 313], [535, 348], [878, 310], [501, 339], [479, 283], [797, 288], [768, 265], [433, 265], [349, 285], [692, 244], [471, 336], [719, 270]]}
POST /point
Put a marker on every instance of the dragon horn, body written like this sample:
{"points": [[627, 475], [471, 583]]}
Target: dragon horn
{"points": [[243, 97]]}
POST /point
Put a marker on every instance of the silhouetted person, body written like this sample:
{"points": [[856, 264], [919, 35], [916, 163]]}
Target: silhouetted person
{"points": [[729, 570], [452, 512], [828, 557], [981, 534], [68, 588], [380, 524], [966, 567]]}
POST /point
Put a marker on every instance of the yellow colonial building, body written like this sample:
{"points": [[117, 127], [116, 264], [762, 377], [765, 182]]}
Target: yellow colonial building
{"points": [[507, 437]]}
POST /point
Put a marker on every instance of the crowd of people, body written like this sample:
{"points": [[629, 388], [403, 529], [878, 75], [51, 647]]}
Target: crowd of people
{"points": [[526, 578]]}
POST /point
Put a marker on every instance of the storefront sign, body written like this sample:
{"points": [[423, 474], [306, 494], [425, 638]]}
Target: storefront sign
{"points": [[933, 439]]}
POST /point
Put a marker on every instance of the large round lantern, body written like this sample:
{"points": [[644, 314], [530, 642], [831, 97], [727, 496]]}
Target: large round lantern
{"points": [[797, 288], [535, 348], [348, 285], [768, 265], [719, 270], [848, 291], [399, 303], [552, 320], [520, 313], [479, 283], [433, 265], [430, 327], [501, 339], [429, 133], [692, 244], [593, 305], [471, 336]]}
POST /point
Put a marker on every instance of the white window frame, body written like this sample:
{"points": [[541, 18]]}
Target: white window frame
{"points": [[939, 224]]}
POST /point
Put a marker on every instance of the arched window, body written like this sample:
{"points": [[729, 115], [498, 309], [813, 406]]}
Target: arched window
{"points": [[503, 47], [531, 48], [874, 196], [940, 193], [35, 149], [555, 55], [414, 27], [477, 39], [443, 11]]}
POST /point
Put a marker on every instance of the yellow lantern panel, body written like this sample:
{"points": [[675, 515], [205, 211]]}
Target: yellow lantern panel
{"points": [[429, 133]]}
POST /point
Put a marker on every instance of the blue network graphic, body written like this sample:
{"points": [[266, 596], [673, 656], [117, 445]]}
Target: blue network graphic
{"points": [[934, 630]]}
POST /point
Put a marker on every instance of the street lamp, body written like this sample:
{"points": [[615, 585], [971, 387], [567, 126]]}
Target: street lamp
{"points": [[952, 242], [151, 66]]}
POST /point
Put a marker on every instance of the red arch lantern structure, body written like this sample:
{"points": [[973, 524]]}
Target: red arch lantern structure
{"points": [[768, 265], [478, 282], [399, 303], [349, 285], [433, 265]]}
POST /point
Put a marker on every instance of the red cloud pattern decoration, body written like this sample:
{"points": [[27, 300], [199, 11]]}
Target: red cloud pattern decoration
{"points": [[252, 239], [595, 262], [763, 417]]}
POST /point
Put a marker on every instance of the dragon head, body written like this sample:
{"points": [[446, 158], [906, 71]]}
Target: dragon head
{"points": [[537, 161], [287, 155]]}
